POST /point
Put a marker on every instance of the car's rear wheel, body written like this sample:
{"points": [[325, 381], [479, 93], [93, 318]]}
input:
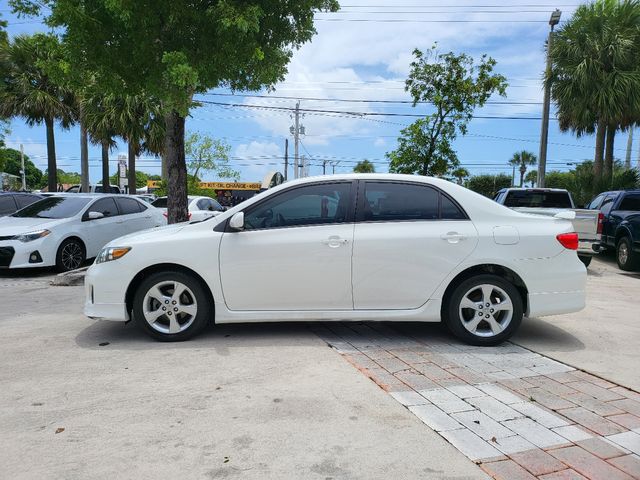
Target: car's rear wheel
{"points": [[71, 254], [484, 310], [625, 256], [171, 306], [586, 259]]}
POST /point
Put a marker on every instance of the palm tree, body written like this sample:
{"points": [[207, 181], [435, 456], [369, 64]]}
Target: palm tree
{"points": [[460, 174], [98, 118], [531, 178], [27, 90], [595, 75], [365, 166], [522, 160]]}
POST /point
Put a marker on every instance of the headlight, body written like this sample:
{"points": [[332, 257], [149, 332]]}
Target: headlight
{"points": [[31, 236], [111, 253]]}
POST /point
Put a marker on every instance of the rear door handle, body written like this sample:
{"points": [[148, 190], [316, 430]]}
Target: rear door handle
{"points": [[453, 237], [334, 241]]}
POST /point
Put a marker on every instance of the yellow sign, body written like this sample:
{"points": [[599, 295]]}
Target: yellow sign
{"points": [[216, 185]]}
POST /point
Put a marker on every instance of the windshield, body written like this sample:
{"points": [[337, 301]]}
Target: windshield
{"points": [[540, 199], [53, 207]]}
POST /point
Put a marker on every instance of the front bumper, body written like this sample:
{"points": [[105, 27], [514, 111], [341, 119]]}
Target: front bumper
{"points": [[17, 254], [105, 293]]}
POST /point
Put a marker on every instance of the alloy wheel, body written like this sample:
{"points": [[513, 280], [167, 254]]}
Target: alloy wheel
{"points": [[485, 310], [623, 253], [71, 256], [169, 307]]}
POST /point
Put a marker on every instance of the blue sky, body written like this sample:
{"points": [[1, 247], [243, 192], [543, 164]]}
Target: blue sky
{"points": [[363, 53]]}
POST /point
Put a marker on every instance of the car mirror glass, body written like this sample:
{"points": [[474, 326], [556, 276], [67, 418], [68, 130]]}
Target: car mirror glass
{"points": [[237, 221]]}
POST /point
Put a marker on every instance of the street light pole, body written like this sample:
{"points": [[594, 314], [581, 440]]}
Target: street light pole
{"points": [[544, 133]]}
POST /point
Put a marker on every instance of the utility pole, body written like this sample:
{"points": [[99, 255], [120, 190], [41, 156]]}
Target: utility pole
{"points": [[544, 134], [333, 167], [324, 167], [627, 159], [513, 176], [286, 158], [23, 172]]}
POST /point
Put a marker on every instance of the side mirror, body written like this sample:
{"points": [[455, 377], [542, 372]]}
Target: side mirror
{"points": [[237, 222], [94, 215]]}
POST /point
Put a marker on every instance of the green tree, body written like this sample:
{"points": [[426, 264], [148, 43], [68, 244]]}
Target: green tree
{"points": [[365, 166], [460, 174], [454, 86], [206, 154], [522, 160], [27, 91], [100, 119], [531, 178], [175, 49], [13, 164], [595, 75], [556, 179], [489, 185], [141, 179]]}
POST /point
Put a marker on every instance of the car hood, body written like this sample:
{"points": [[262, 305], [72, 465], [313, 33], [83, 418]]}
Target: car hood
{"points": [[18, 225], [151, 234]]}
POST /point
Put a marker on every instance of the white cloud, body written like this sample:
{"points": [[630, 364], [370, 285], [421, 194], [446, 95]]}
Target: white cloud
{"points": [[256, 159], [380, 142]]}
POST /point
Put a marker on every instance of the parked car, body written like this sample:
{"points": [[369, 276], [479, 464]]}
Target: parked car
{"points": [[551, 201], [621, 225], [93, 189], [364, 247], [200, 208], [146, 197], [11, 202], [64, 230]]}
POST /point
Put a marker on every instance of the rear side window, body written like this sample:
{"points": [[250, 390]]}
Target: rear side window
{"points": [[595, 203], [630, 203], [607, 204], [449, 210], [7, 205], [395, 202], [160, 203], [127, 206], [537, 199]]}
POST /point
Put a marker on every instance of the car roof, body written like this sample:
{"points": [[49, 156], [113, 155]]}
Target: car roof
{"points": [[20, 193], [532, 189]]}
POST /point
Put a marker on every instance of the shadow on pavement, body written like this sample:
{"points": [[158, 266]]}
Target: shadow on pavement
{"points": [[535, 331], [27, 272]]}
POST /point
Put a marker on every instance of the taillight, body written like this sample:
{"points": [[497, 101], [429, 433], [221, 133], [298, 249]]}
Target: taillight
{"points": [[600, 222], [568, 240]]}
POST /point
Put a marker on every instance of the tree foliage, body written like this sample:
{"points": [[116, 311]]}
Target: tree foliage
{"points": [[207, 154], [460, 174], [364, 166], [10, 158], [522, 160], [595, 74], [453, 86], [174, 49], [531, 178], [489, 185]]}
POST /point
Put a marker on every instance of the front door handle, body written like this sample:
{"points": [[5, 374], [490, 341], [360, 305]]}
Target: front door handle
{"points": [[453, 237], [334, 241]]}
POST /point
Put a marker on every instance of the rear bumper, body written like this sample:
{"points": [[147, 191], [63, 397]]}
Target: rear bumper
{"points": [[556, 303], [589, 247]]}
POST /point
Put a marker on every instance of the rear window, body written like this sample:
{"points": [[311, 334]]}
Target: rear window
{"points": [[539, 199], [160, 203], [630, 203]]}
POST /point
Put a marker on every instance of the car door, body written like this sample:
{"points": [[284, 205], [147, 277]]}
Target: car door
{"points": [[131, 218], [408, 237], [610, 222], [101, 230], [294, 252]]}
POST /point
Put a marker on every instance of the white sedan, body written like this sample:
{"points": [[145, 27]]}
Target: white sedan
{"points": [[200, 208], [64, 230], [346, 247]]}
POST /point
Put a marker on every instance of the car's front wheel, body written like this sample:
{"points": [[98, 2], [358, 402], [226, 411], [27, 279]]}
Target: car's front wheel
{"points": [[71, 254], [625, 256], [484, 310], [171, 306]]}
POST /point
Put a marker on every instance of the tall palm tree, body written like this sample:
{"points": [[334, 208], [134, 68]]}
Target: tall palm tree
{"points": [[522, 160], [28, 91], [98, 119], [595, 74], [460, 174]]}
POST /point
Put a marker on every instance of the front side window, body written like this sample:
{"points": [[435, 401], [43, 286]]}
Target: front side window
{"points": [[393, 202], [54, 207], [308, 205], [630, 203], [106, 206]]}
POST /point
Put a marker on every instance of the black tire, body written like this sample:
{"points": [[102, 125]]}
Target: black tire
{"points": [[71, 255], [500, 288], [626, 258], [195, 296], [586, 259]]}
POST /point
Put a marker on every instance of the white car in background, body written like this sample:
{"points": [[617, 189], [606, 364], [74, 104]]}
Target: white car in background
{"points": [[64, 230], [345, 247], [200, 208]]}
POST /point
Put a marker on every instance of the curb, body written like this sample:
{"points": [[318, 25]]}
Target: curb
{"points": [[70, 279]]}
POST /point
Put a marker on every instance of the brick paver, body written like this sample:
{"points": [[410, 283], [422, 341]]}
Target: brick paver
{"points": [[517, 413]]}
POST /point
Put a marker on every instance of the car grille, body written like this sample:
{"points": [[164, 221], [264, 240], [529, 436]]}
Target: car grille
{"points": [[6, 255], [10, 237]]}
